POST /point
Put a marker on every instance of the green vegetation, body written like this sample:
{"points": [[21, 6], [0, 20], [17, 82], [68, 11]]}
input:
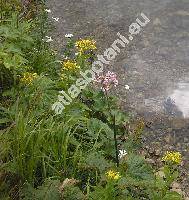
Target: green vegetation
{"points": [[86, 152]]}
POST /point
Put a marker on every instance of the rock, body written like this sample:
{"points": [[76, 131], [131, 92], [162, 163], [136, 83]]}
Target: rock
{"points": [[177, 188], [178, 191]]}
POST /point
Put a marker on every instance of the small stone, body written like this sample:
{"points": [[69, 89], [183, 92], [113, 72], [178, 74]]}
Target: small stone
{"points": [[160, 174], [175, 185], [177, 190], [168, 138], [150, 161], [157, 22], [157, 152]]}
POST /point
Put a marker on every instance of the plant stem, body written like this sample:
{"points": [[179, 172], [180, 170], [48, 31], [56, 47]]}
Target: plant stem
{"points": [[115, 139], [115, 130]]}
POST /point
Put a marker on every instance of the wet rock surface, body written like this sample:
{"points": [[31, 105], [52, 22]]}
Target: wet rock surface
{"points": [[155, 64]]}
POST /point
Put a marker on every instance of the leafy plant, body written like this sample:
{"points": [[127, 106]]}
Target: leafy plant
{"points": [[47, 191], [86, 152]]}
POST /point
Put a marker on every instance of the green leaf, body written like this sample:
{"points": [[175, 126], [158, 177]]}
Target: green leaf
{"points": [[97, 160], [48, 191], [96, 125], [172, 196], [4, 120], [137, 168]]}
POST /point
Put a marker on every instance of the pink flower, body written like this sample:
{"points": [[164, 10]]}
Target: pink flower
{"points": [[107, 80]]}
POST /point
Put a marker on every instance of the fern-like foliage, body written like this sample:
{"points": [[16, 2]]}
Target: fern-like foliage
{"points": [[48, 191]]}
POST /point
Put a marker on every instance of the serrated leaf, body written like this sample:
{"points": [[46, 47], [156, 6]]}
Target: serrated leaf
{"points": [[97, 160], [48, 191], [137, 168]]}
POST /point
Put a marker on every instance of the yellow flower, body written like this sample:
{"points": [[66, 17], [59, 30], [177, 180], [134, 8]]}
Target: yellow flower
{"points": [[113, 175], [70, 65], [174, 157], [63, 76], [84, 45], [28, 78]]}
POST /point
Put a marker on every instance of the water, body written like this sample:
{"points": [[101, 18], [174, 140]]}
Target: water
{"points": [[180, 96]]}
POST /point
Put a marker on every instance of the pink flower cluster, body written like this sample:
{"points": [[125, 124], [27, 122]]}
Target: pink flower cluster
{"points": [[107, 80]]}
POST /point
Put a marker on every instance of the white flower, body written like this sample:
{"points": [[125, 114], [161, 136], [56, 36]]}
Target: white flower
{"points": [[122, 153], [48, 10], [56, 18], [49, 39], [76, 54], [127, 87], [69, 35]]}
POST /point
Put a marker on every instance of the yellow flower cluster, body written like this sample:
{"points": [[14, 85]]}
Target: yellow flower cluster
{"points": [[85, 44], [70, 65], [28, 78], [113, 175], [174, 157]]}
